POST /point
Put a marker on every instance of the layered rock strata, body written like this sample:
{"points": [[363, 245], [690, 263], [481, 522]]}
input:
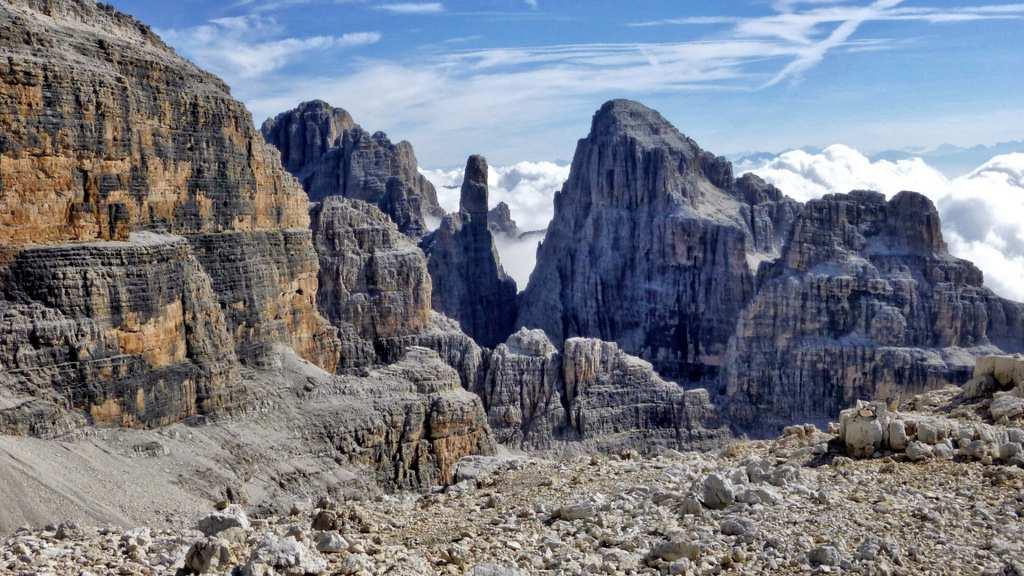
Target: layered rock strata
{"points": [[106, 132], [332, 156], [127, 332], [470, 285], [865, 302], [374, 284], [591, 393], [654, 245]]}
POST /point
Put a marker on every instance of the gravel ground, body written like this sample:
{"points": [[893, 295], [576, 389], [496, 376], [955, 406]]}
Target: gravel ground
{"points": [[787, 506]]}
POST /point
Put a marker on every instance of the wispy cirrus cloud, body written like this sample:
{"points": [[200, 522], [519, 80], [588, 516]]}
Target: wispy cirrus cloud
{"points": [[412, 7], [450, 100], [807, 30], [241, 48]]}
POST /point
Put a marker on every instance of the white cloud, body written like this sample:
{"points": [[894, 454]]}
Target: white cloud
{"points": [[250, 47], [413, 7], [808, 30], [982, 212], [531, 3], [529, 190]]}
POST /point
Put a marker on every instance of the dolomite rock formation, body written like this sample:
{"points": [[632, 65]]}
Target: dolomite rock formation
{"points": [[591, 393], [332, 156], [469, 284], [653, 245], [135, 196], [410, 422], [499, 220], [522, 391], [865, 302], [127, 332], [106, 130], [615, 398], [158, 264], [374, 283]]}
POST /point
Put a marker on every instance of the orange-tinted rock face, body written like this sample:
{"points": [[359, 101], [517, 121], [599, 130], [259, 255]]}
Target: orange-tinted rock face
{"points": [[105, 129], [105, 132]]}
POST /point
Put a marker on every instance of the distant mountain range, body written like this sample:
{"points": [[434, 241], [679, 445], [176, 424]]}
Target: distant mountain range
{"points": [[949, 159]]}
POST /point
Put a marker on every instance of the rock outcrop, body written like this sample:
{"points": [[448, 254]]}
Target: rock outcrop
{"points": [[106, 130], [469, 284], [136, 196], [499, 220], [591, 393], [865, 302], [129, 333], [374, 284], [653, 245], [332, 156]]}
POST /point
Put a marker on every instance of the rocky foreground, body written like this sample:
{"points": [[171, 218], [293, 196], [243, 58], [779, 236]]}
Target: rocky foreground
{"points": [[943, 495]]}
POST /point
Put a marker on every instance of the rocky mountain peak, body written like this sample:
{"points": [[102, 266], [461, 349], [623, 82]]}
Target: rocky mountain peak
{"points": [[470, 285], [307, 132], [625, 118], [331, 155], [864, 221], [474, 197]]}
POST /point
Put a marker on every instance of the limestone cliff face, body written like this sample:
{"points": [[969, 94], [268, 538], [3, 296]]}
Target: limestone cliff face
{"points": [[470, 285], [653, 245], [865, 302], [410, 422], [98, 135], [374, 283], [590, 393], [332, 156], [136, 196], [127, 332]]}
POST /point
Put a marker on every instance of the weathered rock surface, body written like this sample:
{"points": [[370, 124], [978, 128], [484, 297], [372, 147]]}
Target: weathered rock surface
{"points": [[653, 245], [469, 284], [266, 283], [499, 220], [675, 513], [522, 391], [591, 393], [865, 302], [105, 131], [127, 332], [332, 156], [374, 284], [401, 427]]}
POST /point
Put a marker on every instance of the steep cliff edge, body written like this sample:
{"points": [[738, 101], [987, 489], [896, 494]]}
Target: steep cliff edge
{"points": [[128, 332], [470, 285], [653, 245], [104, 130], [136, 196], [865, 302], [333, 156], [374, 284]]}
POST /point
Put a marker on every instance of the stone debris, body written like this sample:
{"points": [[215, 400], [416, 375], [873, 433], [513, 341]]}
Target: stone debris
{"points": [[755, 507]]}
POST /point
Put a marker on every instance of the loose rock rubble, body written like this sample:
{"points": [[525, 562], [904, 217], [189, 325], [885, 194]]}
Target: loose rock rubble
{"points": [[793, 505]]}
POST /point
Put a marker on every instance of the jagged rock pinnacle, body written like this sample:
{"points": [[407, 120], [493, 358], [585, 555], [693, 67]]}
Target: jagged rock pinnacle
{"points": [[473, 200]]}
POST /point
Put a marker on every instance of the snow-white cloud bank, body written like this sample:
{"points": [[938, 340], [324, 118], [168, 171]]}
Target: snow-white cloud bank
{"points": [[982, 212], [529, 190]]}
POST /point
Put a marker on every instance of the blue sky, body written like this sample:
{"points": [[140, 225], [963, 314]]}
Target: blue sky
{"points": [[519, 79]]}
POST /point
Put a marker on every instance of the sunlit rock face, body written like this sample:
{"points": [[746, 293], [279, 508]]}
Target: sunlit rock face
{"points": [[654, 245], [333, 156], [149, 239]]}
